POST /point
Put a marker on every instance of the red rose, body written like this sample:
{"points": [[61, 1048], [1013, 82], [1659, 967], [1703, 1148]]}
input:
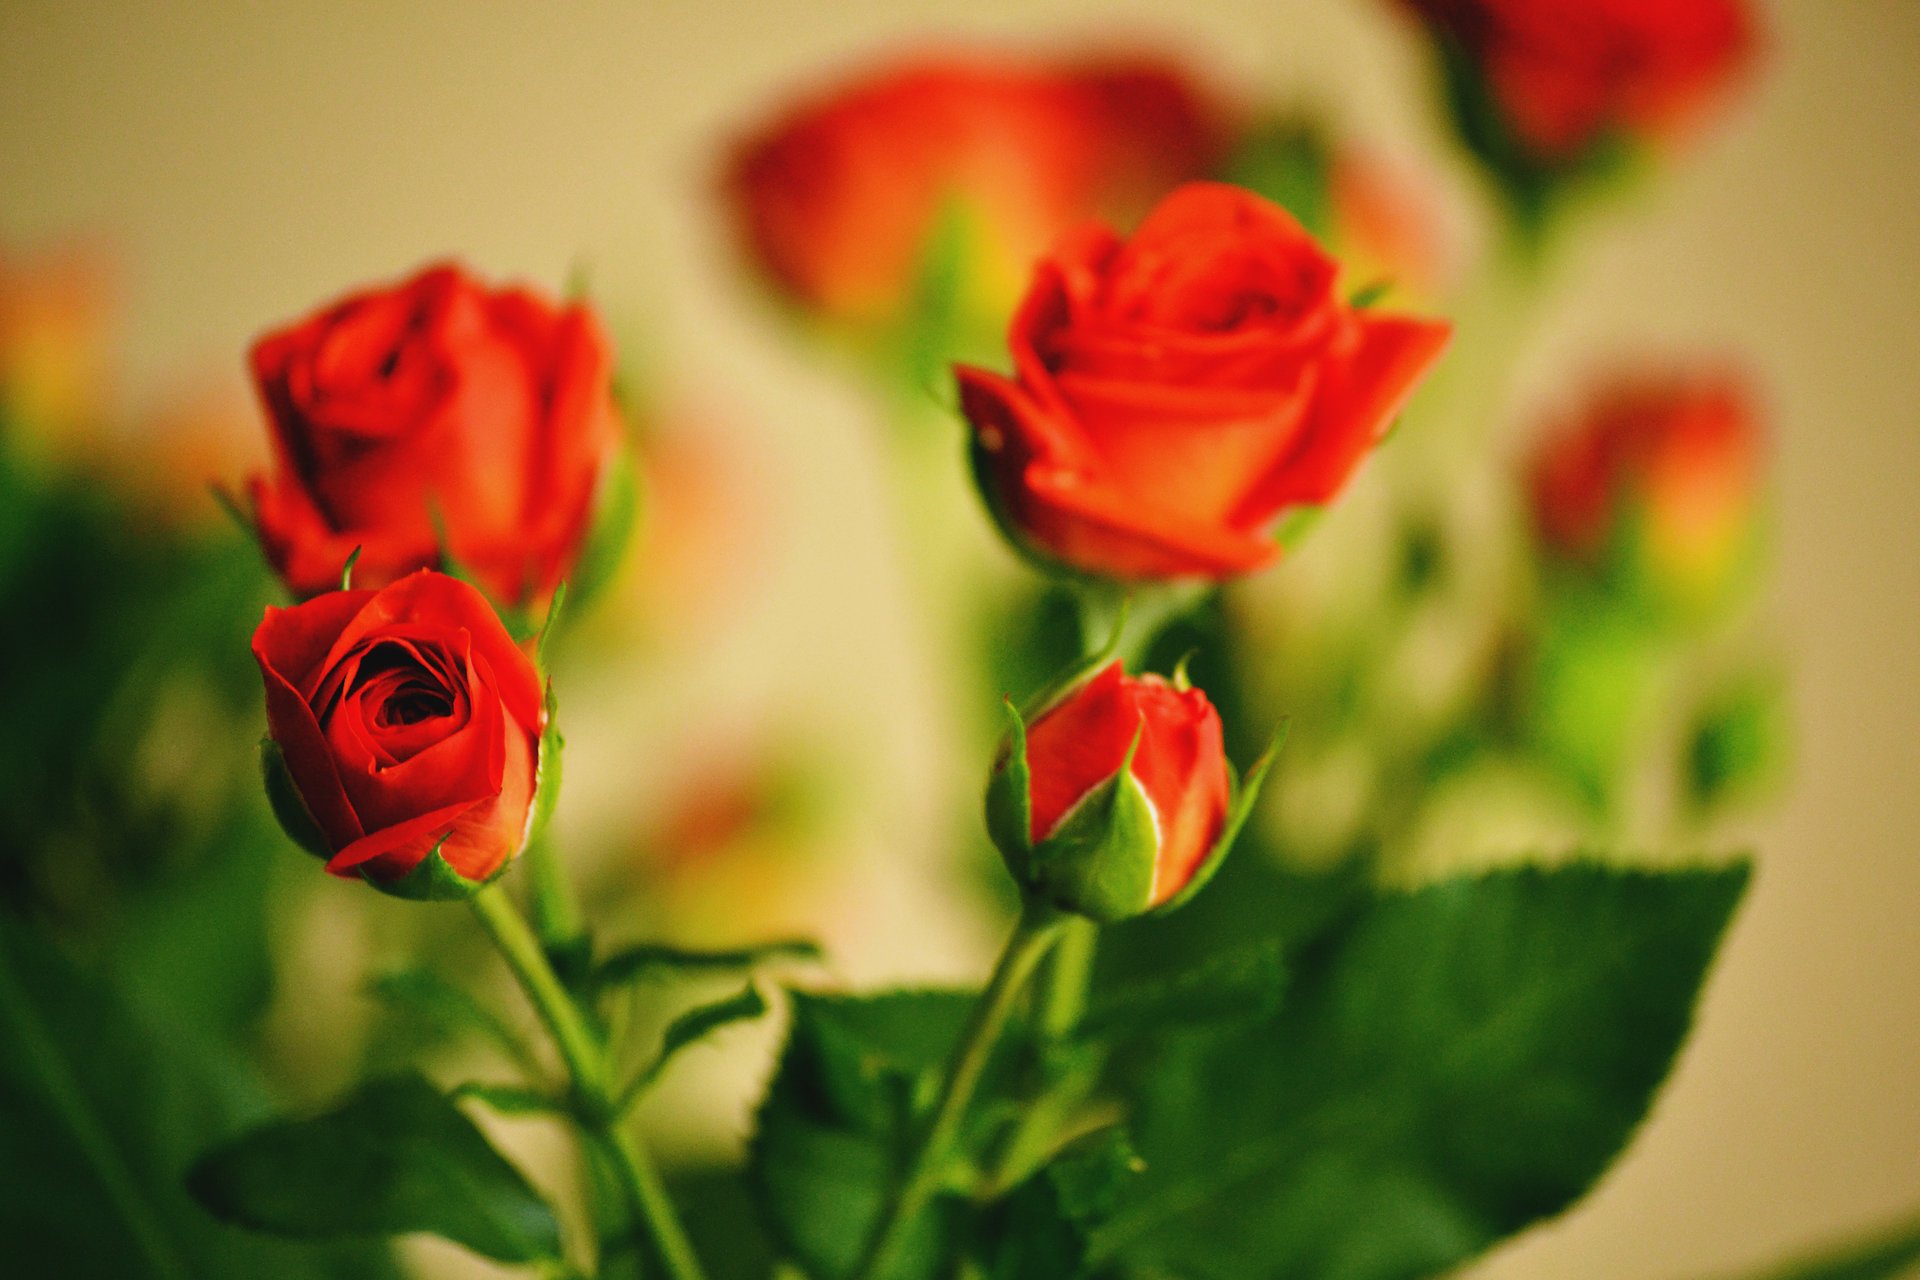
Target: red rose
{"points": [[1176, 393], [490, 411], [838, 198], [409, 725], [1654, 484], [1563, 74], [1127, 800]]}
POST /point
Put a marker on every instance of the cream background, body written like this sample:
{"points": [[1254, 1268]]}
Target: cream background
{"points": [[254, 159]]}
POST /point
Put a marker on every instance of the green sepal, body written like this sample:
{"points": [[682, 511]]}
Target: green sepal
{"points": [[1246, 791], [546, 774], [616, 513], [288, 808], [346, 570], [1009, 795], [433, 880], [1294, 526], [1369, 294], [1099, 861]]}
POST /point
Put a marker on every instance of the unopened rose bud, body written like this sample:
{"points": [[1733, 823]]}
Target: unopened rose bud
{"points": [[1653, 491], [1118, 799], [408, 737]]}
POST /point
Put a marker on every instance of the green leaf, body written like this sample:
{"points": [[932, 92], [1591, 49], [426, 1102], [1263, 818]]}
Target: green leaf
{"points": [[855, 1077], [105, 1104], [1043, 1231], [423, 996], [396, 1157], [651, 960], [1240, 985], [1449, 1066], [1892, 1253], [695, 1025]]}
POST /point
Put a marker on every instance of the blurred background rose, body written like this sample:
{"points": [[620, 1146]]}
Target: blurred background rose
{"points": [[242, 164]]}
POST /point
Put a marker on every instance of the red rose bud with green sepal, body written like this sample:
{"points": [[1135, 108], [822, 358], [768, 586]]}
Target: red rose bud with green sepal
{"points": [[1117, 799], [441, 423], [409, 740], [1543, 91], [1184, 397], [1653, 491]]}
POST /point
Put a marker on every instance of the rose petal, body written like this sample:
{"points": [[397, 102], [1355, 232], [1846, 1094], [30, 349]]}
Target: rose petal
{"points": [[1357, 402]]}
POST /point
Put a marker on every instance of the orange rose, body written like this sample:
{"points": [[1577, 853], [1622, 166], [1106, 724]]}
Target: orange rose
{"points": [[488, 411], [1561, 76], [1177, 393], [1654, 485], [837, 199]]}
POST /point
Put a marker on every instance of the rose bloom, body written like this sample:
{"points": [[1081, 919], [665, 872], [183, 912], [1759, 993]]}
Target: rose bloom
{"points": [[1658, 477], [438, 399], [1179, 765], [837, 198], [1565, 73], [1175, 394], [408, 722]]}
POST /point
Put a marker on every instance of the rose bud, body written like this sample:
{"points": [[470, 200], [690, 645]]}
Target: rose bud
{"points": [[1118, 799], [1654, 490], [841, 199], [439, 423], [1178, 395], [407, 736], [1544, 87]]}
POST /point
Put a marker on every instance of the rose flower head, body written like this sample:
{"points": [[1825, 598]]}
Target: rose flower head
{"points": [[438, 422], [1117, 799], [1544, 88], [840, 200], [1178, 394], [1654, 489], [408, 738]]}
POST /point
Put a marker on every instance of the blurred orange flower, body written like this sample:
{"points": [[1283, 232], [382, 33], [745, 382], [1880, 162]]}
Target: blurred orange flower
{"points": [[838, 198]]}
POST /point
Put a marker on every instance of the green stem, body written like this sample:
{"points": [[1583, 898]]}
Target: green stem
{"points": [[1033, 933], [1068, 976], [591, 1071], [556, 912]]}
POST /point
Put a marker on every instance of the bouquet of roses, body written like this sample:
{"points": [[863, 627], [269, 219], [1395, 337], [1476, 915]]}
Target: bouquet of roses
{"points": [[1262, 1010]]}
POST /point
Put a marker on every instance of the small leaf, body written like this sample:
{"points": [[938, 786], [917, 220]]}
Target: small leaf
{"points": [[695, 1025], [393, 1159], [424, 995], [510, 1099], [1043, 1231], [1099, 861], [651, 960], [346, 570], [1246, 793]]}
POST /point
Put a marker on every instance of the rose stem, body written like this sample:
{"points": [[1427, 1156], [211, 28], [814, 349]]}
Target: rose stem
{"points": [[1033, 933], [592, 1074]]}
